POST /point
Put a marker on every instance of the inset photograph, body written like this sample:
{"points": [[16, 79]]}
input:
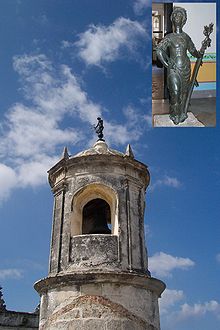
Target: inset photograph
{"points": [[184, 64]]}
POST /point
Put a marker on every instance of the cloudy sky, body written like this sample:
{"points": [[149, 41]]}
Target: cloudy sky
{"points": [[62, 64]]}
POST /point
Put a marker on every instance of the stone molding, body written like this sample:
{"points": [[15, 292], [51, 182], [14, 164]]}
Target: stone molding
{"points": [[86, 277]]}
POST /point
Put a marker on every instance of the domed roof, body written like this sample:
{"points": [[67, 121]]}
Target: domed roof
{"points": [[99, 148], [98, 155]]}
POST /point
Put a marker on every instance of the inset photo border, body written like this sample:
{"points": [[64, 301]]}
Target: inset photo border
{"points": [[184, 64]]}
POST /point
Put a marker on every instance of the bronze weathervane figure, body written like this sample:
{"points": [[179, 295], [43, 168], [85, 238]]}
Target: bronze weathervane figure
{"points": [[99, 129], [172, 52]]}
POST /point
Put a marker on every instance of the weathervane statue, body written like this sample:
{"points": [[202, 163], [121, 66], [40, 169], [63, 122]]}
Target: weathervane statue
{"points": [[99, 129], [172, 52]]}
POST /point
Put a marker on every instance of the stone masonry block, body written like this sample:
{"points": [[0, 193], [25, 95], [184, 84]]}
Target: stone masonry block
{"points": [[113, 325], [91, 289]]}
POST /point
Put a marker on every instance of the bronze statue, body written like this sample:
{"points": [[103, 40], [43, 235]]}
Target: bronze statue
{"points": [[172, 52], [99, 129]]}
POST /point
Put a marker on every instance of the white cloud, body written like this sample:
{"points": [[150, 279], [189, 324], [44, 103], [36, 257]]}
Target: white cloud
{"points": [[169, 299], [31, 134], [174, 313], [119, 134], [33, 172], [32, 131], [53, 91], [134, 118], [107, 43], [140, 5], [8, 181], [198, 310], [171, 182], [66, 44], [130, 130], [166, 181], [12, 273], [162, 264]]}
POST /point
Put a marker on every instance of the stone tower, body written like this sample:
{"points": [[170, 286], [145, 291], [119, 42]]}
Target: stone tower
{"points": [[98, 276]]}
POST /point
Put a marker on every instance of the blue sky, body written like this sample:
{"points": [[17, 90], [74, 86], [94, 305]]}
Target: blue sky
{"points": [[62, 63]]}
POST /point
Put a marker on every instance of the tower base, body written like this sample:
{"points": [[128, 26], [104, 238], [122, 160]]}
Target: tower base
{"points": [[101, 301]]}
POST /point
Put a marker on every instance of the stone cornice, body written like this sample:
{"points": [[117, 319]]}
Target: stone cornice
{"points": [[80, 278], [95, 161]]}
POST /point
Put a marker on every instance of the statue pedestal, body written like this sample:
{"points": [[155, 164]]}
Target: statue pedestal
{"points": [[165, 121]]}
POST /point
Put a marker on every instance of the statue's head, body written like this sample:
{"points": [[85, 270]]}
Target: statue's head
{"points": [[178, 16]]}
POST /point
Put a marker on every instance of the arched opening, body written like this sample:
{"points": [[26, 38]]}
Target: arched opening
{"points": [[91, 202], [96, 217]]}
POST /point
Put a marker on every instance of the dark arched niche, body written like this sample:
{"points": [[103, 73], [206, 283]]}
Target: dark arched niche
{"points": [[96, 217]]}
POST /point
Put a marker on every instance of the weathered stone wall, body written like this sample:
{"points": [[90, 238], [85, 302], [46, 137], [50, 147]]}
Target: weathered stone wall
{"points": [[18, 320], [100, 306], [91, 251]]}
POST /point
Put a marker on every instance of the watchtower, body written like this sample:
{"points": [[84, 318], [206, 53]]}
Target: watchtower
{"points": [[98, 275]]}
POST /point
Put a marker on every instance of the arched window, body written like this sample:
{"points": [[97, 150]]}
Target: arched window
{"points": [[96, 217], [94, 210]]}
